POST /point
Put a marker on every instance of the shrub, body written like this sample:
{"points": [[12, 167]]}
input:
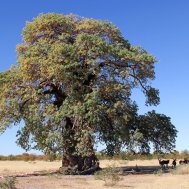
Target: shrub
{"points": [[11, 157], [8, 183], [109, 175], [2, 158], [159, 172]]}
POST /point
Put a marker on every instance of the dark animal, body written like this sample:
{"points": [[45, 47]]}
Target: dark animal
{"points": [[185, 161], [174, 163], [181, 162], [162, 163]]}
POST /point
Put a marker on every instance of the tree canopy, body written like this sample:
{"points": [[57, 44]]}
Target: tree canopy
{"points": [[152, 130], [72, 86]]}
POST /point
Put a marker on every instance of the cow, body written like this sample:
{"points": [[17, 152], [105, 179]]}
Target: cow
{"points": [[162, 163], [185, 161], [174, 163]]}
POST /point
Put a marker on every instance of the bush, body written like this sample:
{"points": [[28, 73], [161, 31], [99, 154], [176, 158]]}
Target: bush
{"points": [[109, 175], [159, 172], [2, 158], [11, 157], [9, 183]]}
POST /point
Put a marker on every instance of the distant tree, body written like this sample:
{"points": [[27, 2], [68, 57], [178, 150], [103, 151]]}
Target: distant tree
{"points": [[72, 86]]}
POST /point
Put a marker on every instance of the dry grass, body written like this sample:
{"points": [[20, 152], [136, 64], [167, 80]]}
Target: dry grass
{"points": [[181, 170], [31, 166], [88, 182], [149, 181], [15, 167]]}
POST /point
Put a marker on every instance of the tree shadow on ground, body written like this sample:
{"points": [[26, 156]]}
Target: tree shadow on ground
{"points": [[126, 170]]}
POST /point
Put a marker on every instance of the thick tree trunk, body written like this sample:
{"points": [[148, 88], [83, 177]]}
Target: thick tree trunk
{"points": [[79, 165], [73, 162]]}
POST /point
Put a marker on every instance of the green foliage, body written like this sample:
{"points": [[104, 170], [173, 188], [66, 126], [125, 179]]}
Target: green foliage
{"points": [[72, 86], [153, 129], [8, 183], [109, 175]]}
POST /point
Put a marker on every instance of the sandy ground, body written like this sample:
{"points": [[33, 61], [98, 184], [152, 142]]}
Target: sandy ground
{"points": [[12, 167], [88, 182], [146, 181], [15, 167]]}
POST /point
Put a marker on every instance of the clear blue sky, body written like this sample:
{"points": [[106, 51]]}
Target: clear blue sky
{"points": [[161, 27]]}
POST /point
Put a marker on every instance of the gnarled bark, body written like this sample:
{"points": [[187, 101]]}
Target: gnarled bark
{"points": [[72, 162]]}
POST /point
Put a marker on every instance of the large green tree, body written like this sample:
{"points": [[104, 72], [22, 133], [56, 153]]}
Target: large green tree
{"points": [[72, 86]]}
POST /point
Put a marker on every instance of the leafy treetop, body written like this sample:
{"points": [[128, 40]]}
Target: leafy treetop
{"points": [[77, 68]]}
